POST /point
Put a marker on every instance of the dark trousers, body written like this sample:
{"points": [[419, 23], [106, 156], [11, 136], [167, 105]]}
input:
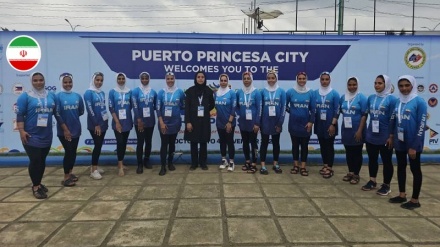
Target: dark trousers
{"points": [[249, 137], [37, 162], [199, 156], [353, 155], [298, 142], [386, 155], [226, 139], [143, 137], [327, 146], [275, 147], [414, 164], [98, 141], [121, 144], [69, 153], [167, 146]]}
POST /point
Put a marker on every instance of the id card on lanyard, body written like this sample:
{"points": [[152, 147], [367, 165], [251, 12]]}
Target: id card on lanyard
{"points": [[146, 109], [323, 115], [200, 108], [248, 111], [400, 130], [42, 118], [348, 124], [272, 111], [375, 122]]}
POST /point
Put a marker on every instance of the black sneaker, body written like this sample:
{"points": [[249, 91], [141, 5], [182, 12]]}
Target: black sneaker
{"points": [[369, 186], [44, 188], [39, 193], [147, 163], [277, 169], [384, 190], [397, 199], [264, 171], [410, 205], [192, 168]]}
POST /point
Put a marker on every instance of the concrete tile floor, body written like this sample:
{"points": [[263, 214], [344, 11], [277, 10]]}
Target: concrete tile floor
{"points": [[213, 208]]}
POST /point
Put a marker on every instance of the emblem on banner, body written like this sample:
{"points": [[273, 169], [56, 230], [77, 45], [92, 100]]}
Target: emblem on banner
{"points": [[432, 102], [23, 53], [17, 88], [433, 88], [415, 58]]}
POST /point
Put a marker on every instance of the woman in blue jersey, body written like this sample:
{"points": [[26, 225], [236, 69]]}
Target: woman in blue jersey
{"points": [[97, 120], [34, 122], [409, 136], [249, 112], [225, 104], [273, 112], [353, 107], [119, 104], [301, 106], [379, 138], [170, 101], [326, 122], [144, 104], [70, 106]]}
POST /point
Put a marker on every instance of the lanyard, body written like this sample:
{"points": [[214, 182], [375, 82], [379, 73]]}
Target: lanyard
{"points": [[45, 103], [123, 99], [247, 102], [399, 116], [272, 99], [148, 97], [171, 97], [349, 102], [200, 99], [380, 105], [323, 101], [99, 97]]}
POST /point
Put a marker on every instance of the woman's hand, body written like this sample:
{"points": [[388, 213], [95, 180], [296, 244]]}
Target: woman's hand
{"points": [[98, 130], [412, 153], [189, 127], [140, 125], [24, 137], [256, 128]]}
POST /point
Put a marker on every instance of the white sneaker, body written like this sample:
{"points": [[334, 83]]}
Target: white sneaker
{"points": [[100, 170], [231, 167], [223, 165], [95, 175]]}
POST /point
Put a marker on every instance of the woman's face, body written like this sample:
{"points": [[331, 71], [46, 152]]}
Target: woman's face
{"points": [[301, 80], [325, 80], [121, 80], [38, 82], [247, 81], [352, 85], [67, 83], [170, 80], [271, 79], [145, 79], [99, 80], [200, 78], [379, 85], [224, 81], [405, 86]]}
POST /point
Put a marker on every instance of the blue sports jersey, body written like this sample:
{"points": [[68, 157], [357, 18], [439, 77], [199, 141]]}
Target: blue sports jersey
{"points": [[168, 107], [380, 109], [144, 106], [70, 106], [251, 104], [120, 104], [273, 110], [352, 112], [97, 114], [327, 108], [302, 107], [36, 114], [225, 106]]}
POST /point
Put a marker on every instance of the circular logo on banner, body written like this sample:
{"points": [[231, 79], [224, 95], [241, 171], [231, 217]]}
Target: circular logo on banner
{"points": [[23, 53], [415, 58], [17, 89], [421, 88], [432, 102], [433, 88]]}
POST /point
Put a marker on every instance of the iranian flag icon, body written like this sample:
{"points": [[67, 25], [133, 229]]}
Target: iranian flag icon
{"points": [[23, 53]]}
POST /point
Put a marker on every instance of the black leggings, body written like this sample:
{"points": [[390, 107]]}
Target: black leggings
{"points": [[327, 146], [199, 157], [249, 137], [69, 153], [37, 162], [353, 155], [386, 155], [143, 137], [121, 144], [275, 146], [98, 141], [167, 146], [296, 143], [226, 139], [416, 170]]}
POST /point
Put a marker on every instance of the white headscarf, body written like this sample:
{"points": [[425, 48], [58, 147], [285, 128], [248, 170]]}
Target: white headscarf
{"points": [[297, 87], [349, 95], [62, 76], [323, 91], [250, 88], [174, 87], [145, 89], [407, 98], [222, 91], [275, 86], [92, 83], [388, 87], [42, 93], [123, 88]]}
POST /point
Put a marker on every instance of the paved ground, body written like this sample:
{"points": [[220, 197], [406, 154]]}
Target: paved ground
{"points": [[213, 208]]}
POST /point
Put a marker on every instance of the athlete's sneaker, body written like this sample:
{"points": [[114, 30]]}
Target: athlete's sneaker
{"points": [[384, 190], [223, 165], [99, 169], [95, 175], [231, 167], [369, 185]]}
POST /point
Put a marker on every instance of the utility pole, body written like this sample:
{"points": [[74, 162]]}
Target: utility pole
{"points": [[335, 14], [256, 20], [374, 17], [341, 17], [296, 17], [414, 11]]}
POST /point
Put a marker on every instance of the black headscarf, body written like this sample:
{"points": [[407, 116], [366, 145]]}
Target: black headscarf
{"points": [[200, 87]]}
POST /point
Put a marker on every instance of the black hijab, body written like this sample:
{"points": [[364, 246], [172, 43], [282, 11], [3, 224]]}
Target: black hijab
{"points": [[200, 87]]}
